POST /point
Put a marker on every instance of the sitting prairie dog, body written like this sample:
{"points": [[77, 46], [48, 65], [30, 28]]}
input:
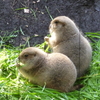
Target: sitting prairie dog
{"points": [[55, 70], [67, 39]]}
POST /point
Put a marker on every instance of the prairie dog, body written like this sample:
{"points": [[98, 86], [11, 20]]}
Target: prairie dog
{"points": [[67, 39], [55, 70]]}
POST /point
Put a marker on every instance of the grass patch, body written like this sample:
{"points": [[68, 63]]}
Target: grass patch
{"points": [[14, 87], [48, 12], [7, 38]]}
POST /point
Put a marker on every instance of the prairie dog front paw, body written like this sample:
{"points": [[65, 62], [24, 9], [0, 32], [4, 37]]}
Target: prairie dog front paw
{"points": [[17, 65], [46, 38]]}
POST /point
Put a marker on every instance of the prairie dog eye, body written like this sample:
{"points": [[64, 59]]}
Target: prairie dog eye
{"points": [[26, 56], [56, 22]]}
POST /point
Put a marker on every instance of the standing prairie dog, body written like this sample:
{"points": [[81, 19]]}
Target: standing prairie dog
{"points": [[55, 70], [67, 39]]}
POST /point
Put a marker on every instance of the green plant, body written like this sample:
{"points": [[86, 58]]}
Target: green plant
{"points": [[93, 36], [7, 38], [48, 12], [14, 87]]}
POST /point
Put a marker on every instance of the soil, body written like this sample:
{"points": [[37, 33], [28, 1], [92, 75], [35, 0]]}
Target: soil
{"points": [[29, 19]]}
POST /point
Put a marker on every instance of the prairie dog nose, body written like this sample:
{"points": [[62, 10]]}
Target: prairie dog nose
{"points": [[17, 60]]}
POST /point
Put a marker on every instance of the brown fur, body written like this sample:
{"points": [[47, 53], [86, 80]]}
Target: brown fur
{"points": [[67, 39], [55, 70]]}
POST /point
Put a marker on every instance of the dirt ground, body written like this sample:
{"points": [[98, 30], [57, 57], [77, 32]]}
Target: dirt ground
{"points": [[29, 19]]}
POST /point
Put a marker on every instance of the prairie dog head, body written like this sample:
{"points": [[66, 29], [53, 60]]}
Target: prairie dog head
{"points": [[31, 57], [62, 26]]}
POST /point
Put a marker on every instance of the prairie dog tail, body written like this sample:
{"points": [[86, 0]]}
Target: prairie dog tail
{"points": [[76, 87]]}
